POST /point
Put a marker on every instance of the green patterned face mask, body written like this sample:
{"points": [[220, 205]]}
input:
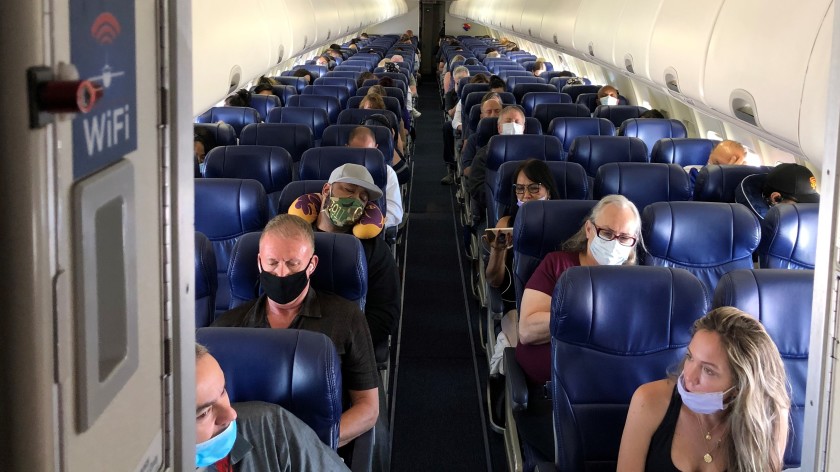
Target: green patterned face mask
{"points": [[345, 211]]}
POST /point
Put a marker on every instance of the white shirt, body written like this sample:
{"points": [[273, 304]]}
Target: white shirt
{"points": [[393, 199], [456, 120]]}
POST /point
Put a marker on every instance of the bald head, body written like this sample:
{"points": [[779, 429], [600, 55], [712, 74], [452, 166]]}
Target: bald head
{"points": [[728, 152]]}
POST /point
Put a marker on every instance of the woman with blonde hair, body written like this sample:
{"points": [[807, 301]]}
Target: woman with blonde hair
{"points": [[727, 409]]}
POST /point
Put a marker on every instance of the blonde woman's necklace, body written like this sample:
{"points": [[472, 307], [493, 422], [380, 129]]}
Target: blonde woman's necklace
{"points": [[707, 457]]}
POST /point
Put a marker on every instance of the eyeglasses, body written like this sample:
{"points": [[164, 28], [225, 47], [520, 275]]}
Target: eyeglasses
{"points": [[533, 189], [608, 235]]}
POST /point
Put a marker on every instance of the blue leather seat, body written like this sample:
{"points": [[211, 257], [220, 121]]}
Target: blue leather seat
{"points": [[531, 99], [590, 101], [315, 118], [318, 164], [672, 238], [237, 117], [575, 90], [618, 113], [347, 74], [475, 70], [316, 70], [474, 98], [225, 209], [781, 299], [552, 74], [514, 80], [568, 128], [206, 281], [347, 83], [299, 83], [294, 138], [389, 91], [264, 104], [546, 112], [569, 178], [297, 188], [284, 92], [628, 343], [497, 67], [651, 130], [223, 133], [716, 183], [560, 83], [466, 89], [506, 74], [398, 83], [338, 135], [392, 104], [521, 89], [789, 237], [356, 116], [330, 104], [683, 152], [271, 166], [337, 91], [642, 182], [354, 66], [342, 268], [594, 151], [298, 370]]}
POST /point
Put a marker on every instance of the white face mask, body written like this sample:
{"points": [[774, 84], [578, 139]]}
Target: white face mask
{"points": [[609, 252], [608, 100], [512, 128], [702, 403], [520, 202]]}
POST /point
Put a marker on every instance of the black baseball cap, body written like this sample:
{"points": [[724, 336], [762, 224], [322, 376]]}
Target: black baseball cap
{"points": [[794, 182]]}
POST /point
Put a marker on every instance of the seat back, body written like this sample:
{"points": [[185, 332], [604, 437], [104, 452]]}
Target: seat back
{"points": [[671, 238], [628, 324], [356, 116], [618, 113], [271, 166], [574, 90], [315, 118], [545, 112], [467, 89], [781, 299], [225, 209], [338, 135], [299, 83], [520, 90], [542, 227], [569, 179], [594, 151], [568, 128], [347, 74], [560, 82], [340, 92], [347, 83], [394, 92], [682, 151], [590, 101], [237, 117], [284, 92], [297, 188], [296, 369], [223, 133], [716, 183], [651, 130], [514, 80], [206, 281], [642, 182], [342, 268], [293, 137], [331, 104], [789, 237], [264, 104], [318, 164], [531, 99], [506, 74], [314, 69]]}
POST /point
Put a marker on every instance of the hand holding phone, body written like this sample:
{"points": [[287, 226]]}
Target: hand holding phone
{"points": [[499, 238]]}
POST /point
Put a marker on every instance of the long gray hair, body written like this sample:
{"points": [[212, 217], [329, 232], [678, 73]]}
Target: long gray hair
{"points": [[578, 242]]}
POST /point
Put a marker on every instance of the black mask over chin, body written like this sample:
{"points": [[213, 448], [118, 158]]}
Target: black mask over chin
{"points": [[283, 290]]}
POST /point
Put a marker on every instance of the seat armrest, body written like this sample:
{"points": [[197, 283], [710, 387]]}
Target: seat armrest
{"points": [[545, 467], [516, 385], [363, 452], [381, 352]]}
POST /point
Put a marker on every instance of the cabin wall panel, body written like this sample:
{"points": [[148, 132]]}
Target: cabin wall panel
{"points": [[632, 37], [597, 22], [558, 24], [328, 25], [531, 23], [409, 20], [813, 109]]}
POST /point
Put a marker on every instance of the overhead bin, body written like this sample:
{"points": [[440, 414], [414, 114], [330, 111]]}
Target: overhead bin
{"points": [[814, 108], [328, 25], [679, 44], [631, 43], [597, 22], [558, 24], [301, 20], [760, 80], [531, 23], [511, 14]]}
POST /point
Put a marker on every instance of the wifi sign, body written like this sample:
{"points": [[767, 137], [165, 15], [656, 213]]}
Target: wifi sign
{"points": [[105, 28]]}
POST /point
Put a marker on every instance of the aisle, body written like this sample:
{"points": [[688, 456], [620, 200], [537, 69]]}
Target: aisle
{"points": [[438, 419]]}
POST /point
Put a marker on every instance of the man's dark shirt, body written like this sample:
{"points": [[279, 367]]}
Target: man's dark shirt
{"points": [[340, 319], [450, 100], [382, 304]]}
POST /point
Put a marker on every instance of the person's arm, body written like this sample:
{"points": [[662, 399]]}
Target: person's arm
{"points": [[647, 409], [382, 307], [495, 272], [359, 418], [447, 81], [781, 439], [534, 317]]}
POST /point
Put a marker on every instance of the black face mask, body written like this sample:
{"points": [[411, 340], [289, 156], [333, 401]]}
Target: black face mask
{"points": [[283, 290]]}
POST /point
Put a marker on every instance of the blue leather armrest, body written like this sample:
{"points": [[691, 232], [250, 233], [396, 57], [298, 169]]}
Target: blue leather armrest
{"points": [[363, 452], [516, 385]]}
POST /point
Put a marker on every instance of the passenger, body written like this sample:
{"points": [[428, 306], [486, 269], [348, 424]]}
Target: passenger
{"points": [[363, 137], [532, 181], [461, 72], [609, 236], [412, 82], [607, 95], [203, 142], [497, 84], [286, 261], [725, 152], [242, 98], [652, 113], [566, 73], [479, 79], [386, 82], [265, 86], [448, 82], [250, 436], [539, 67], [374, 101], [490, 50], [493, 54], [727, 409], [451, 128], [326, 61], [303, 72], [786, 183], [364, 76], [491, 107]]}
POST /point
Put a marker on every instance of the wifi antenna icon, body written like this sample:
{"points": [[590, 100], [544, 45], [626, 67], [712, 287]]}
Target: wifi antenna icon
{"points": [[105, 28]]}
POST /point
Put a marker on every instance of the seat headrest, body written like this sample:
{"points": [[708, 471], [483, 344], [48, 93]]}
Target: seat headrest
{"points": [[512, 148], [642, 182], [717, 183], [271, 166], [206, 281], [531, 99], [569, 179], [229, 208], [618, 113], [223, 133], [651, 130], [594, 151], [682, 151], [789, 236], [568, 128], [237, 117]]}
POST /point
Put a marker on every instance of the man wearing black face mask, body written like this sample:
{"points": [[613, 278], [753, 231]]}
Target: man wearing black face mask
{"points": [[286, 261]]}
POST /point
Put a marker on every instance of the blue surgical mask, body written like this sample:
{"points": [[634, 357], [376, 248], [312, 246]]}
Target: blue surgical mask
{"points": [[512, 128], [202, 167], [609, 100], [701, 403], [216, 448], [609, 252]]}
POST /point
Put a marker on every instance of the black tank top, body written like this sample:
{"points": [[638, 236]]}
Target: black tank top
{"points": [[659, 452]]}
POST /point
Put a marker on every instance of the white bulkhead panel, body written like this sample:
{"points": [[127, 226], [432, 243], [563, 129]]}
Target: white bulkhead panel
{"points": [[813, 109], [597, 22], [327, 26], [366, 12], [679, 43], [558, 25], [532, 19], [631, 47], [512, 15], [758, 58], [302, 24], [280, 32]]}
